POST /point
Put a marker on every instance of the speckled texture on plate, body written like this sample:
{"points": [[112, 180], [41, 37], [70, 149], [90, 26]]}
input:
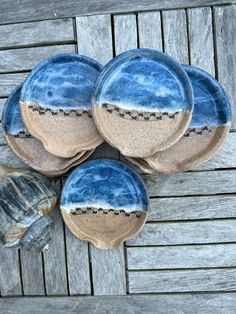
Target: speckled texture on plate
{"points": [[210, 125], [26, 200], [142, 102], [30, 149], [56, 104], [104, 202]]}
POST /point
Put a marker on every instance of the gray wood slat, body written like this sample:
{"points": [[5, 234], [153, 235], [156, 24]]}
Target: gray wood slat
{"points": [[175, 34], [149, 28], [194, 207], [9, 158], [77, 265], [29, 10], [108, 271], [215, 231], [36, 33], [182, 281], [181, 257], [27, 58], [201, 39], [125, 33], [192, 183], [10, 282], [54, 258], [2, 102], [200, 303], [32, 273], [9, 82], [225, 25], [94, 35]]}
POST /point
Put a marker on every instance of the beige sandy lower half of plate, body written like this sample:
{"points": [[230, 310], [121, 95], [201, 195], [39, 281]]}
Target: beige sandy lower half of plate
{"points": [[33, 153], [105, 231], [195, 147], [61, 134]]}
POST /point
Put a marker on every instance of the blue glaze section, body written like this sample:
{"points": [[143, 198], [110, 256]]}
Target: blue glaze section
{"points": [[11, 119], [62, 82], [144, 79], [211, 104], [104, 184]]}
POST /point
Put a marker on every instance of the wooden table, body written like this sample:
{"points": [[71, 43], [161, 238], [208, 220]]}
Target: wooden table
{"points": [[184, 260]]}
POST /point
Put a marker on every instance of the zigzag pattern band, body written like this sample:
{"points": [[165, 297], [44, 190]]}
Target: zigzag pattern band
{"points": [[198, 131], [91, 210], [23, 134], [75, 112]]}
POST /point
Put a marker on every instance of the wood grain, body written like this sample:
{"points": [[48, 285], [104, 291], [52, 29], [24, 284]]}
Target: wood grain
{"points": [[9, 158], [181, 257], [175, 34], [125, 31], [32, 273], [30, 10], [36, 33], [225, 25], [192, 183], [77, 265], [201, 39], [200, 303], [10, 281], [149, 28], [182, 281], [54, 258], [215, 231], [94, 37], [27, 58], [9, 82], [2, 102], [108, 271], [190, 208]]}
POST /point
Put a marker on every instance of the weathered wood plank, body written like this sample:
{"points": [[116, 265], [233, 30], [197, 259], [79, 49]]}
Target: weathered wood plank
{"points": [[34, 10], [27, 58], [225, 25], [108, 271], [54, 258], [200, 303], [36, 33], [187, 256], [175, 34], [190, 208], [32, 273], [2, 102], [215, 231], [125, 32], [149, 28], [201, 39], [9, 82], [95, 41], [94, 37], [10, 282], [182, 281], [77, 265], [192, 183], [9, 158]]}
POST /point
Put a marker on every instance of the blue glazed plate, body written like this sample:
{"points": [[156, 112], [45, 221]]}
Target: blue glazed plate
{"points": [[142, 91], [28, 148], [105, 202], [208, 129], [56, 104]]}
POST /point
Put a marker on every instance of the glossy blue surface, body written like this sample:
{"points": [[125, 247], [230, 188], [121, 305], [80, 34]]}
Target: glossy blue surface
{"points": [[211, 104], [104, 184], [144, 79], [62, 82], [11, 119]]}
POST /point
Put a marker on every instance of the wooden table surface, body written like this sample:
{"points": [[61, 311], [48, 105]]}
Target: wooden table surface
{"points": [[184, 260]]}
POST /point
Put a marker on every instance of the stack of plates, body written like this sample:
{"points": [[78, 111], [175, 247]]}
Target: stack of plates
{"points": [[47, 121], [163, 116]]}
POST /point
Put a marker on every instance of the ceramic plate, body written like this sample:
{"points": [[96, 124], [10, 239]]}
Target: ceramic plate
{"points": [[104, 202], [142, 102], [208, 129], [56, 104], [28, 148]]}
